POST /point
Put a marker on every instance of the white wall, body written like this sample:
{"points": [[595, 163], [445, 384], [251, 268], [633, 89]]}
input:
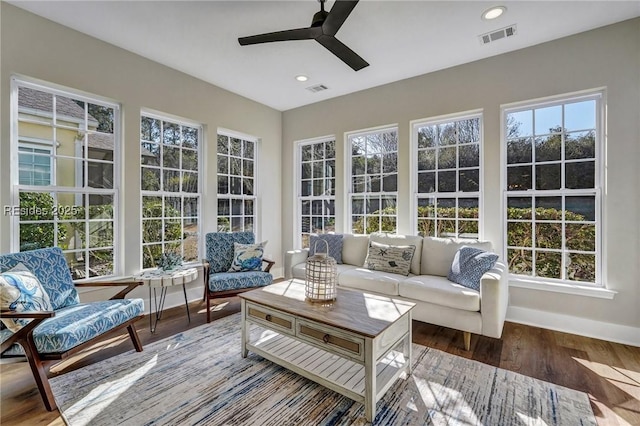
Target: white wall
{"points": [[606, 57], [610, 57], [38, 48]]}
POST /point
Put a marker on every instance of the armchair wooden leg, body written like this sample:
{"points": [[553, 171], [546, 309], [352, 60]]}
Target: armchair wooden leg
{"points": [[208, 306], [39, 373], [134, 338], [467, 340]]}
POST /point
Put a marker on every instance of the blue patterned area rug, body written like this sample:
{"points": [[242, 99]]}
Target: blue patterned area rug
{"points": [[198, 378]]}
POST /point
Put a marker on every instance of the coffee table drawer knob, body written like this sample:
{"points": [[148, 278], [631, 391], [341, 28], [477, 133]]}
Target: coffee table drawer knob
{"points": [[326, 338], [280, 320]]}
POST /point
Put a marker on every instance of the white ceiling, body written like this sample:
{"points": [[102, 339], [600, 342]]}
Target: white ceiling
{"points": [[400, 39]]}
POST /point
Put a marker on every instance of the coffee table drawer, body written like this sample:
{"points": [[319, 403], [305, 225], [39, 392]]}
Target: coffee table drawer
{"points": [[271, 318], [326, 337]]}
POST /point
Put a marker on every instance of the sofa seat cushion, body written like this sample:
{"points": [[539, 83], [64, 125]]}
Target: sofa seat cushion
{"points": [[366, 280], [74, 325], [224, 281], [299, 270], [440, 291]]}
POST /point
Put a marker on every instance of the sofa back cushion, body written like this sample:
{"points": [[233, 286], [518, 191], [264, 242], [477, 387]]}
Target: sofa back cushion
{"points": [[438, 253], [404, 240], [354, 249], [51, 269], [333, 244]]}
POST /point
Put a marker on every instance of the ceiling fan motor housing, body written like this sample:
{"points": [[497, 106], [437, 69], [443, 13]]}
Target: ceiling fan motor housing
{"points": [[319, 18]]}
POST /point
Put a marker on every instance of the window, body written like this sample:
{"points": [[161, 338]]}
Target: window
{"points": [[448, 173], [373, 160], [317, 188], [34, 165], [170, 182], [552, 192], [236, 183], [63, 139]]}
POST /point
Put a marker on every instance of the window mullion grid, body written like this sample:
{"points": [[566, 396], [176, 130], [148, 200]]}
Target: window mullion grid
{"points": [[565, 193]]}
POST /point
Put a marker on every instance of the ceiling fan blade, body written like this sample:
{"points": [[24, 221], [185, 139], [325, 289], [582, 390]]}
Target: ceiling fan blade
{"points": [[339, 49], [297, 34], [338, 14]]}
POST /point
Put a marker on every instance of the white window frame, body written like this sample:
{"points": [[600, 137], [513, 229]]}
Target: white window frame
{"points": [[54, 189], [32, 143], [256, 184], [172, 119], [349, 194], [598, 288], [297, 159], [441, 119]]}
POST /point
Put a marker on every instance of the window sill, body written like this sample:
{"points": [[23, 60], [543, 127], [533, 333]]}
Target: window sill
{"points": [[597, 292]]}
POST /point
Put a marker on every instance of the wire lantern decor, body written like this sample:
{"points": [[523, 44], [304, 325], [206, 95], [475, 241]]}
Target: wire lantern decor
{"points": [[320, 278]]}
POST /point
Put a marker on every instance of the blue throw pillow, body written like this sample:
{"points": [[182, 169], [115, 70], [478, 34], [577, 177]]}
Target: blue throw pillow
{"points": [[247, 257], [334, 241], [469, 265], [21, 291]]}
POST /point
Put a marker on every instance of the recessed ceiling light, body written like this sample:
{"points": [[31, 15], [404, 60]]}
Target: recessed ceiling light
{"points": [[302, 77], [493, 13]]}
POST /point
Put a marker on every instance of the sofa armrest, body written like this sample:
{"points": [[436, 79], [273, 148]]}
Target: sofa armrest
{"points": [[494, 299], [291, 259]]}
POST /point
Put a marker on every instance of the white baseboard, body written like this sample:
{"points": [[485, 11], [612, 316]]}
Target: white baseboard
{"points": [[581, 326]]}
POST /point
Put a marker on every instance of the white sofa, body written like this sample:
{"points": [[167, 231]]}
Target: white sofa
{"points": [[438, 300]]}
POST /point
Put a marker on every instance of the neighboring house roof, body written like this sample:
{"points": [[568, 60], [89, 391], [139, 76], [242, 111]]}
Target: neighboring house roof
{"points": [[101, 141], [35, 101], [41, 103]]}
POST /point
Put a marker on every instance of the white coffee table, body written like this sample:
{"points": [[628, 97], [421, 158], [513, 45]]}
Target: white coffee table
{"points": [[357, 346], [157, 278]]}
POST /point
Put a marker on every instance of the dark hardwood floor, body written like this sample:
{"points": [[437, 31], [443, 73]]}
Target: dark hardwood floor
{"points": [[608, 372]]}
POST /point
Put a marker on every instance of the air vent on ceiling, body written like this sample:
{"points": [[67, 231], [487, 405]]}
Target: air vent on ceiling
{"points": [[317, 88], [497, 35]]}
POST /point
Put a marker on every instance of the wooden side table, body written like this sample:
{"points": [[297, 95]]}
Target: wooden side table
{"points": [[158, 278]]}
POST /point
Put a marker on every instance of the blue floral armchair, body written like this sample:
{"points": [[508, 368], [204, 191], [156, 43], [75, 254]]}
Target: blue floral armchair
{"points": [[70, 326], [218, 280]]}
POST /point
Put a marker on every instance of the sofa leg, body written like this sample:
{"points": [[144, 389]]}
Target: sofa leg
{"points": [[134, 338], [467, 340], [39, 374]]}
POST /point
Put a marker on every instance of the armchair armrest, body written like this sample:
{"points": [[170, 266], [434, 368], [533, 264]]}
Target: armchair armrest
{"points": [[24, 332], [494, 299], [270, 263], [291, 259], [27, 314], [206, 267], [130, 286]]}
